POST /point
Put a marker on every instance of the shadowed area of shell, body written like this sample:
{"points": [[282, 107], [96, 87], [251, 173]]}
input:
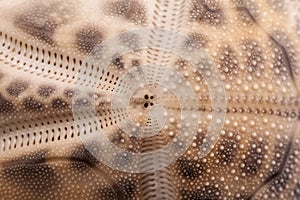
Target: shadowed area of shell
{"points": [[150, 99]]}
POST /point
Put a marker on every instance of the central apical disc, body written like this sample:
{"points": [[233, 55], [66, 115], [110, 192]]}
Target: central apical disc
{"points": [[145, 102]]}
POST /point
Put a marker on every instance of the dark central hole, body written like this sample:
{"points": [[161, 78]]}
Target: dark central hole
{"points": [[146, 97]]}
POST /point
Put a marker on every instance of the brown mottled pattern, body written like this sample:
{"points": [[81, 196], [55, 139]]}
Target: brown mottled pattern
{"points": [[255, 46]]}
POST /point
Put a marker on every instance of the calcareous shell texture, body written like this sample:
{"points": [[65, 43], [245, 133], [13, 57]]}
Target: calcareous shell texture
{"points": [[149, 99]]}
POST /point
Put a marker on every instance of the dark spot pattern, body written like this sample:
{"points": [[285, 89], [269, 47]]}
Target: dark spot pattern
{"points": [[108, 194], [32, 104], [228, 61], [281, 179], [88, 38], [30, 179], [127, 187], [130, 10], [117, 137], [45, 91], [254, 158], [190, 169], [82, 102], [196, 179], [117, 61], [198, 39], [205, 192], [210, 14], [33, 158], [58, 103], [181, 63], [16, 88], [41, 21], [81, 154], [135, 63], [70, 93], [6, 106], [254, 57], [227, 150]]}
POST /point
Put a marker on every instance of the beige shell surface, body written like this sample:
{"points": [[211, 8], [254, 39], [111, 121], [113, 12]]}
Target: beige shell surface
{"points": [[46, 45]]}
